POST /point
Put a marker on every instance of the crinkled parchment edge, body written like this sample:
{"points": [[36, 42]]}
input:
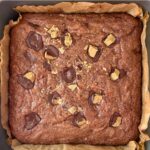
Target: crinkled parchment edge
{"points": [[79, 7]]}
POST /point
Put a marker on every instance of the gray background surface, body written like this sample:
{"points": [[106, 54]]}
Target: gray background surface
{"points": [[7, 13]]}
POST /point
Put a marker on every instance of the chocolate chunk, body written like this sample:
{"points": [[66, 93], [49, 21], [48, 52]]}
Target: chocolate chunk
{"points": [[47, 66], [115, 120], [94, 98], [31, 120], [69, 74], [55, 98], [93, 52], [34, 41], [25, 83], [51, 52], [79, 120]]}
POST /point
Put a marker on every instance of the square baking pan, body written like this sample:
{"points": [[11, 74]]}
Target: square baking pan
{"points": [[7, 13]]}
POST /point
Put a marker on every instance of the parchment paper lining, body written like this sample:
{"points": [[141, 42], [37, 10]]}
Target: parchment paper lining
{"points": [[80, 7]]}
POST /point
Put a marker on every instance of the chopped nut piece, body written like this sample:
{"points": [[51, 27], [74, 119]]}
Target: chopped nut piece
{"points": [[54, 71], [68, 39], [80, 109], [87, 65], [117, 122], [86, 47], [104, 69], [115, 75], [45, 28], [62, 50], [53, 31], [73, 110], [30, 76], [92, 50], [43, 90], [110, 39], [72, 87]]}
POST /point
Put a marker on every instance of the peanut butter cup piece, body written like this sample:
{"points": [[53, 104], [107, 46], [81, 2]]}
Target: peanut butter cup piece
{"points": [[115, 120], [79, 120], [110, 39], [31, 120], [27, 80], [116, 74], [93, 52], [55, 98], [34, 41], [94, 98], [73, 110]]}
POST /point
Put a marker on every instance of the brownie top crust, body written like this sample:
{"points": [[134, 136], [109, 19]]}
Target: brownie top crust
{"points": [[75, 78]]}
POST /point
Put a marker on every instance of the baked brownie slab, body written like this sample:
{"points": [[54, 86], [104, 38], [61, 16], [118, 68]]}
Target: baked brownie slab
{"points": [[75, 78]]}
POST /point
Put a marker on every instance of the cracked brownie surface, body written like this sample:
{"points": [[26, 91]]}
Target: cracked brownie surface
{"points": [[75, 78]]}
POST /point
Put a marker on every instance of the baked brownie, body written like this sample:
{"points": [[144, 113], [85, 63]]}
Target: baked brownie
{"points": [[75, 78]]}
